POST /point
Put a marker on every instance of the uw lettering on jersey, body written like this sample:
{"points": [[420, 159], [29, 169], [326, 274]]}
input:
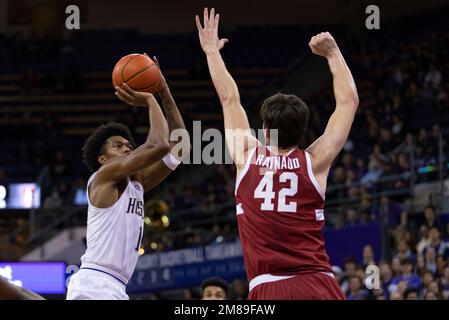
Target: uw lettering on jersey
{"points": [[114, 234], [280, 213]]}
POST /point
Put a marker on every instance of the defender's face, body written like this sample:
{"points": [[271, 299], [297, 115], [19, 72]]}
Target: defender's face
{"points": [[116, 146], [214, 293]]}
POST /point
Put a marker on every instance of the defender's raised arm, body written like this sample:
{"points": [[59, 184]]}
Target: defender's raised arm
{"points": [[238, 135], [326, 148]]}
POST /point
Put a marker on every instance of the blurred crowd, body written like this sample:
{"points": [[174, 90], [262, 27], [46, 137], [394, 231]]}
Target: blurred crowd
{"points": [[404, 92], [416, 268]]}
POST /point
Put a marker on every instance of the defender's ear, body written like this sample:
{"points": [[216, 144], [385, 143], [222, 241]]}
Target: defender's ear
{"points": [[266, 134]]}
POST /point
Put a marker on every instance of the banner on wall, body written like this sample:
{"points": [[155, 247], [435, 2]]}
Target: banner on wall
{"points": [[40, 277], [187, 267]]}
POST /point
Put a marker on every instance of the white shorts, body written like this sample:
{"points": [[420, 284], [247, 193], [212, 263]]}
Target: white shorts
{"points": [[95, 285]]}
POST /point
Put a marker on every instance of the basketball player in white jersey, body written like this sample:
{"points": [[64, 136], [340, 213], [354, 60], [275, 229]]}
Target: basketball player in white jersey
{"points": [[115, 194]]}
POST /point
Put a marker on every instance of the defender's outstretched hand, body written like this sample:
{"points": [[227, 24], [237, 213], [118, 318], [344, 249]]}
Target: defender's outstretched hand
{"points": [[323, 44], [132, 97], [209, 34]]}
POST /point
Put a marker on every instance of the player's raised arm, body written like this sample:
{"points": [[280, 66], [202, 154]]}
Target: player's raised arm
{"points": [[176, 126], [326, 148], [179, 146], [153, 150], [238, 135]]}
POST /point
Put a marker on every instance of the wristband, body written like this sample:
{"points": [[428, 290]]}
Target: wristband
{"points": [[170, 161]]}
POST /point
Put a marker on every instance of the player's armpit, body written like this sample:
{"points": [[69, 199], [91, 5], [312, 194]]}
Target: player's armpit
{"points": [[327, 147], [321, 155]]}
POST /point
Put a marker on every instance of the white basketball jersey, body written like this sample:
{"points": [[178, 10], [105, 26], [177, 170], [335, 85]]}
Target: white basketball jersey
{"points": [[114, 234]]}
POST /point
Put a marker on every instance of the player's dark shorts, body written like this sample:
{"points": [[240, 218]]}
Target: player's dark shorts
{"points": [[310, 286]]}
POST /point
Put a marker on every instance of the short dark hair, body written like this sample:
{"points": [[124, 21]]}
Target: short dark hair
{"points": [[428, 271], [217, 282], [409, 291], [430, 206], [406, 261], [289, 115], [350, 259], [356, 277], [94, 145]]}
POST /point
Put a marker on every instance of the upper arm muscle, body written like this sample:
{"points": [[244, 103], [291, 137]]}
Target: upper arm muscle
{"points": [[119, 168], [239, 138], [326, 148]]}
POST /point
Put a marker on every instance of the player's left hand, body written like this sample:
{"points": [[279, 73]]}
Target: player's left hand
{"points": [[163, 84], [209, 34], [132, 97]]}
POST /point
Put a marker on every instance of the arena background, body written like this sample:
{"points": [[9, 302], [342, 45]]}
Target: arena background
{"points": [[387, 195]]}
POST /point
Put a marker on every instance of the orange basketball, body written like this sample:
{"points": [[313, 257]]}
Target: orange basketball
{"points": [[138, 71]]}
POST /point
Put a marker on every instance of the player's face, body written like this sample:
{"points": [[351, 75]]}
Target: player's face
{"points": [[214, 293], [429, 213], [412, 296], [430, 296], [118, 146], [446, 273], [407, 268]]}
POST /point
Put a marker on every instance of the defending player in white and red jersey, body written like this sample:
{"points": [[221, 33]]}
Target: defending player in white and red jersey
{"points": [[280, 189]]}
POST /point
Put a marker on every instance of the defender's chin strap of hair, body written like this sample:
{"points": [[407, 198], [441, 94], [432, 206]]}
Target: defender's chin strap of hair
{"points": [[171, 161]]}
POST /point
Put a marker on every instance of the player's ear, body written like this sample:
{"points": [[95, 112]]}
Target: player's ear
{"points": [[102, 159], [266, 134]]}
